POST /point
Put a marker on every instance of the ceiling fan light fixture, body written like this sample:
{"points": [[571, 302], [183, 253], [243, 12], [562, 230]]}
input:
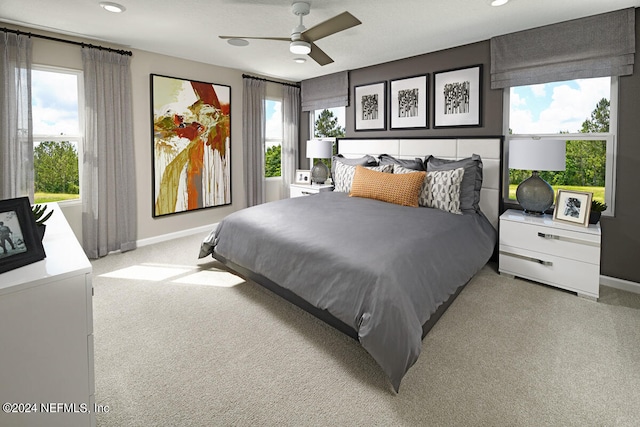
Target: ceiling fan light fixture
{"points": [[300, 47], [498, 2], [112, 7]]}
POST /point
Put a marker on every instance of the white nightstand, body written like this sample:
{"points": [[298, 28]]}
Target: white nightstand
{"points": [[562, 255], [299, 190]]}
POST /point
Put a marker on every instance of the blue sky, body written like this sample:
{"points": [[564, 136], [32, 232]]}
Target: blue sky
{"points": [[555, 107], [54, 102]]}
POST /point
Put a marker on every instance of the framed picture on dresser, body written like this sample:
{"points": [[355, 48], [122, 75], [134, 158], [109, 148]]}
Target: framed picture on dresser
{"points": [[20, 243], [573, 207]]}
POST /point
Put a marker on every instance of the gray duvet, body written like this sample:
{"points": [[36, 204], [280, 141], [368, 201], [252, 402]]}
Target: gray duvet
{"points": [[381, 268]]}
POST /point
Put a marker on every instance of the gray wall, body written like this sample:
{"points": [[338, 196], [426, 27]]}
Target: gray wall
{"points": [[459, 57], [621, 234]]}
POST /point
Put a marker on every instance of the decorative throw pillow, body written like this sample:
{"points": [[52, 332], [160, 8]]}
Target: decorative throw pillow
{"points": [[440, 189], [344, 175], [366, 160], [399, 189], [471, 183], [415, 164]]}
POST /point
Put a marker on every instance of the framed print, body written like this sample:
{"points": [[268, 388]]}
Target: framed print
{"points": [[573, 207], [457, 97], [20, 243], [303, 176], [191, 128], [370, 106], [408, 102]]}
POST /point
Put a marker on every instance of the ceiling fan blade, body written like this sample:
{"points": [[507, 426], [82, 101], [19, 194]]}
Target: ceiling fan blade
{"points": [[319, 56], [284, 39], [331, 26]]}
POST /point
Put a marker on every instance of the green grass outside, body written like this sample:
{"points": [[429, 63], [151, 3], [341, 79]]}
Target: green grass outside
{"points": [[598, 192], [53, 197]]}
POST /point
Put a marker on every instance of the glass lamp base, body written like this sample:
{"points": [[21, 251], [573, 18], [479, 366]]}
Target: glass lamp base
{"points": [[319, 173], [535, 195]]}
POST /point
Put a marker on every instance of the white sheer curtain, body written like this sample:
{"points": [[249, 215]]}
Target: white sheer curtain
{"points": [[109, 219], [253, 134], [16, 133], [291, 124]]}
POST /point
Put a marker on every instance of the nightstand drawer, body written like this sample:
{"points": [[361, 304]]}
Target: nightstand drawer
{"points": [[574, 245], [572, 275], [299, 190]]}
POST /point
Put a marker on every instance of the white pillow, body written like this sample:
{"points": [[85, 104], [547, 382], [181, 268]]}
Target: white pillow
{"points": [[343, 176], [440, 190]]}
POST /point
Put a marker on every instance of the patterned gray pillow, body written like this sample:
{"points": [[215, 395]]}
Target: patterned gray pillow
{"points": [[440, 189], [343, 176], [472, 182]]}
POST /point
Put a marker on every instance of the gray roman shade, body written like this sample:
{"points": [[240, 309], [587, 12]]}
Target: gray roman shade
{"points": [[325, 91], [595, 46]]}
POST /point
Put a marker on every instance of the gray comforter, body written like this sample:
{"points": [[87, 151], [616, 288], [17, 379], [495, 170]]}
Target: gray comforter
{"points": [[381, 268]]}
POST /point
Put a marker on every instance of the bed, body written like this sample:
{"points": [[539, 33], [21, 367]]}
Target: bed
{"points": [[381, 272]]}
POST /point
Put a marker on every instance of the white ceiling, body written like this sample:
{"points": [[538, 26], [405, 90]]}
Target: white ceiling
{"points": [[390, 30]]}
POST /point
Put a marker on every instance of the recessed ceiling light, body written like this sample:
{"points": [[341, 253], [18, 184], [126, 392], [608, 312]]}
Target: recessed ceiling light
{"points": [[499, 2], [238, 42], [112, 7], [300, 60]]}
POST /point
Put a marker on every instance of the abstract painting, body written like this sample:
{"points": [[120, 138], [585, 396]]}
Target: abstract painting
{"points": [[409, 102], [191, 144], [458, 97]]}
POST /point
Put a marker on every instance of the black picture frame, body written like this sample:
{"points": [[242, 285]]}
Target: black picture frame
{"points": [[409, 102], [190, 131], [18, 231], [457, 97], [370, 106]]}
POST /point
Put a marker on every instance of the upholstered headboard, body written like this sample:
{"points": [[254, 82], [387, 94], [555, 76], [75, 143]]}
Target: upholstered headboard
{"points": [[489, 149]]}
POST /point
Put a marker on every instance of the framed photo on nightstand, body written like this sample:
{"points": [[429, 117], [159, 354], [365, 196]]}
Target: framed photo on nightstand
{"points": [[573, 207], [303, 176]]}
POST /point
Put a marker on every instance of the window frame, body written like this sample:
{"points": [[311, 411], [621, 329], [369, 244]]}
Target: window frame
{"points": [[77, 138], [266, 139], [610, 138]]}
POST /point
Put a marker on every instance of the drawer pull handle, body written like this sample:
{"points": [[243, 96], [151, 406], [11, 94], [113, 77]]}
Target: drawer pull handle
{"points": [[528, 258], [568, 239], [307, 193], [548, 236]]}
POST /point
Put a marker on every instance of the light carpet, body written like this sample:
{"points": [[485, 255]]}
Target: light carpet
{"points": [[181, 342]]}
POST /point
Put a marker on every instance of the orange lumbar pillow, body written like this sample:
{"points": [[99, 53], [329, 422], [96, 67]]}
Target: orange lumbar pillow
{"points": [[403, 189]]}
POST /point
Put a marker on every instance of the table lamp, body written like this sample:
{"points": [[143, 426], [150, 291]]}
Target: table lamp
{"points": [[319, 149], [534, 194]]}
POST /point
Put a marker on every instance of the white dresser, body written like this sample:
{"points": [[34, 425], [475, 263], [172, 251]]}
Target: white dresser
{"points": [[299, 190], [46, 336], [563, 255]]}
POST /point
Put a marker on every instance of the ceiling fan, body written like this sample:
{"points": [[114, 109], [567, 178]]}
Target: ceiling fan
{"points": [[302, 39]]}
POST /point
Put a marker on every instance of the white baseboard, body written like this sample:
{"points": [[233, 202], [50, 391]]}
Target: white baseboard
{"points": [[175, 235], [625, 285]]}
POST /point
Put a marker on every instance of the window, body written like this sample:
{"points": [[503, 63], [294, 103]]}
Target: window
{"points": [[584, 112], [328, 123], [57, 133], [273, 139]]}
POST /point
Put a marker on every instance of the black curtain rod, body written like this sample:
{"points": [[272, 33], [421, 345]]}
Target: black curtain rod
{"points": [[247, 76], [108, 49]]}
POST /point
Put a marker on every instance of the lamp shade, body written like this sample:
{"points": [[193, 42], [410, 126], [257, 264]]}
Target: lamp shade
{"points": [[537, 155], [319, 148]]}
